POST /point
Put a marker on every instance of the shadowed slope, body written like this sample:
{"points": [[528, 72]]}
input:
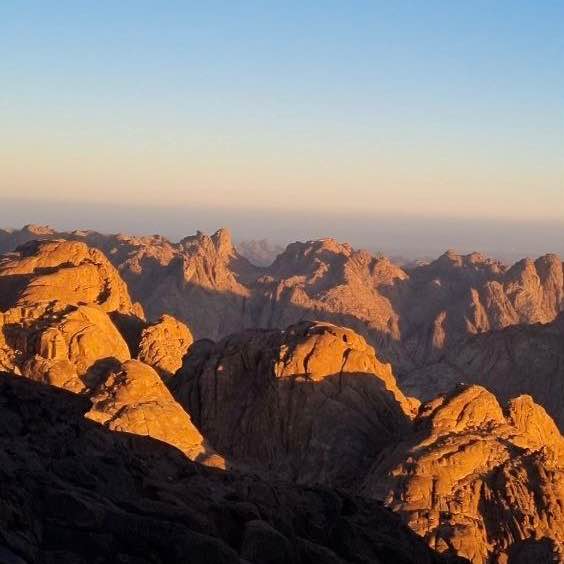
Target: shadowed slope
{"points": [[311, 403], [74, 492], [524, 359]]}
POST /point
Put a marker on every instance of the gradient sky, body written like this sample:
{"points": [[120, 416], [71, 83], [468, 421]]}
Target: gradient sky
{"points": [[450, 109]]}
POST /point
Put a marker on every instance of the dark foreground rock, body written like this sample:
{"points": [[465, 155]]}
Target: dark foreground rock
{"points": [[72, 491]]}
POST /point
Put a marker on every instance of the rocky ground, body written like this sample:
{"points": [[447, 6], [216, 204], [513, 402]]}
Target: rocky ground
{"points": [[73, 491]]}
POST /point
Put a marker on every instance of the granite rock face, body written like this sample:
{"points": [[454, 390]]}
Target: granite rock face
{"points": [[457, 296], [73, 348], [521, 359], [163, 345], [55, 301], [312, 403], [71, 271], [477, 480], [413, 316], [56, 329], [134, 399]]}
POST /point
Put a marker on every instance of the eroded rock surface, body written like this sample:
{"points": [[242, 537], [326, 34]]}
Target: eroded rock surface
{"points": [[134, 399], [72, 348], [163, 345], [57, 330], [201, 280], [311, 403], [66, 271], [477, 481], [413, 316], [55, 301], [523, 359]]}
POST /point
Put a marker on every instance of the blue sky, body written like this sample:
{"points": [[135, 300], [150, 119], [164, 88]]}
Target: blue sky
{"points": [[447, 109]]}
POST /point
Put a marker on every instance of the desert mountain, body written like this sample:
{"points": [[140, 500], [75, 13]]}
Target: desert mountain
{"points": [[477, 480], [520, 359], [65, 271], [457, 296], [422, 320], [416, 313], [56, 301], [261, 252], [312, 403], [56, 328]]}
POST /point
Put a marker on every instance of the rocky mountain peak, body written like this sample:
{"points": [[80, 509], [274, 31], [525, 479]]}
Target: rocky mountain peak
{"points": [[223, 242], [533, 421], [451, 259], [218, 245], [40, 230], [310, 258], [69, 272], [466, 407], [461, 481], [278, 400]]}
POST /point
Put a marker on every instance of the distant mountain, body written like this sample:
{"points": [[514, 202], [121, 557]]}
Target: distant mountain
{"points": [[415, 317], [260, 253], [516, 360], [114, 462]]}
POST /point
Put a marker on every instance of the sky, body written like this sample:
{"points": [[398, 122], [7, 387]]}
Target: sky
{"points": [[272, 116]]}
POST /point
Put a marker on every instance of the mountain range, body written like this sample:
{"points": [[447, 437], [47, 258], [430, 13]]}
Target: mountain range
{"points": [[284, 408]]}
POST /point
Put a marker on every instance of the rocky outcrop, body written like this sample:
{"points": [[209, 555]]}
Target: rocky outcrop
{"points": [[311, 403], [10, 239], [477, 481], [74, 492], [64, 271], [56, 296], [163, 345], [134, 399], [413, 316], [457, 296], [522, 359], [57, 330], [72, 348], [330, 281], [201, 280]]}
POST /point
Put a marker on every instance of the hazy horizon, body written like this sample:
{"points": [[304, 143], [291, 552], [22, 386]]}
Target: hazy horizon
{"points": [[410, 236], [437, 109]]}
